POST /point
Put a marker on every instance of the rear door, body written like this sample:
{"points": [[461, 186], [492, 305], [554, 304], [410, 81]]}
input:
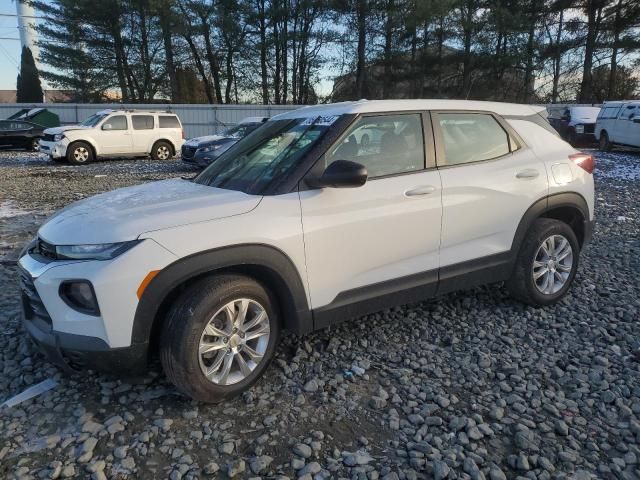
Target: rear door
{"points": [[364, 243], [489, 180], [144, 132]]}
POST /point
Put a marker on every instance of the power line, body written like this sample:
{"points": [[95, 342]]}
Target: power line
{"points": [[16, 15], [9, 38]]}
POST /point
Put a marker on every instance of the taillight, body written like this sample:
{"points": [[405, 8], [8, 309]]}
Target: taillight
{"points": [[584, 161]]}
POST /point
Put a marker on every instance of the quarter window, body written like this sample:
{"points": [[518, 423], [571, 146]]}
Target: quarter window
{"points": [[473, 137], [168, 121], [385, 145], [117, 122], [142, 122]]}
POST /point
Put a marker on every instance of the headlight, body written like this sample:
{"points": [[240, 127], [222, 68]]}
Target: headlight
{"points": [[209, 148], [102, 251], [57, 137], [579, 128]]}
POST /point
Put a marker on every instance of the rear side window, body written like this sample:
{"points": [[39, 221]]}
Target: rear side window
{"points": [[472, 137], [168, 121], [142, 122]]}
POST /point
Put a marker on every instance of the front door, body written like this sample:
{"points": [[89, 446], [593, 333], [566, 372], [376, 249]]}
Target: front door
{"points": [[114, 136], [366, 242]]}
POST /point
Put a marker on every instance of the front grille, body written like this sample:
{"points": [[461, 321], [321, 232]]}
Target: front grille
{"points": [[32, 305], [589, 128], [47, 137], [188, 152]]}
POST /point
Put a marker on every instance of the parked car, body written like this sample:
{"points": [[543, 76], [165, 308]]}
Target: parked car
{"points": [[576, 124], [297, 227], [20, 134], [619, 124], [202, 151], [115, 133]]}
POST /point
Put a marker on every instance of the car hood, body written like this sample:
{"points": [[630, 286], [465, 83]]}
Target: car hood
{"points": [[209, 140], [126, 213], [66, 128]]}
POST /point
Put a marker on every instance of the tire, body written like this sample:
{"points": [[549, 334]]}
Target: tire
{"points": [[532, 260], [604, 144], [188, 325], [79, 153], [34, 146], [162, 150]]}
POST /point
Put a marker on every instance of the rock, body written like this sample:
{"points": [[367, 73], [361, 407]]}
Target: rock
{"points": [[311, 386], [562, 428], [163, 424], [235, 467], [259, 464], [211, 468], [302, 450], [310, 469], [496, 474], [440, 470]]}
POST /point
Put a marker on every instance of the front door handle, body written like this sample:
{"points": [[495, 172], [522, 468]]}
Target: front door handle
{"points": [[422, 190], [528, 173]]}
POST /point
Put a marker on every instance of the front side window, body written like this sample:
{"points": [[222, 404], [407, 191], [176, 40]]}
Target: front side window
{"points": [[142, 122], [384, 144], [240, 131], [117, 122], [266, 155], [472, 137]]}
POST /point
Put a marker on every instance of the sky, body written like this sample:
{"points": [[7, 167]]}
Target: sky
{"points": [[9, 49]]}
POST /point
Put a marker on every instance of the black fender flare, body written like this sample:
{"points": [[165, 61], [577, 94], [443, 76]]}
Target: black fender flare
{"points": [[539, 208], [284, 280]]}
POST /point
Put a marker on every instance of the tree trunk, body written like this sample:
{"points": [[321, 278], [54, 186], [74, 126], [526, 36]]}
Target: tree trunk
{"points": [[165, 26], [212, 58], [263, 52], [613, 64], [361, 20], [594, 16], [467, 29], [557, 60], [388, 37]]}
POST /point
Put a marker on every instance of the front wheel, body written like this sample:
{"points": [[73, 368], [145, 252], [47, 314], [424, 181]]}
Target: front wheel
{"points": [[79, 153], [546, 264], [219, 337]]}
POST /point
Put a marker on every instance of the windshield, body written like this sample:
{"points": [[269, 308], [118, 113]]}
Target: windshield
{"points": [[93, 120], [268, 153], [240, 131]]}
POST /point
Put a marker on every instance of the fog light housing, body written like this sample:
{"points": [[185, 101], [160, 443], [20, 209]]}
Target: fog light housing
{"points": [[79, 295]]}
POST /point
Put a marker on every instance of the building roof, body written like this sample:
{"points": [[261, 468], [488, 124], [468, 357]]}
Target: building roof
{"points": [[375, 106]]}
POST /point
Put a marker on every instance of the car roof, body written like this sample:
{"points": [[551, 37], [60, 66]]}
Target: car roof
{"points": [[619, 103], [130, 110], [382, 106], [253, 120]]}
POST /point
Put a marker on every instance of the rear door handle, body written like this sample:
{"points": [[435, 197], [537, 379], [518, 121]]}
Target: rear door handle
{"points": [[528, 173], [422, 190]]}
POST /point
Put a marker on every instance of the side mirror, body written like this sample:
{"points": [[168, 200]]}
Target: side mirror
{"points": [[341, 174], [107, 126]]}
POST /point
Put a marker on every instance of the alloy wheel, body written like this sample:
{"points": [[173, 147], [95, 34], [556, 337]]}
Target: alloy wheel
{"points": [[81, 154], [552, 264], [234, 341], [163, 152]]}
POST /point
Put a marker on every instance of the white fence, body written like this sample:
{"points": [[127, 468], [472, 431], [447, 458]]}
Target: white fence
{"points": [[197, 120]]}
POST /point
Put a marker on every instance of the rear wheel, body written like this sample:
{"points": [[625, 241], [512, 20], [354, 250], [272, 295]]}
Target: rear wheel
{"points": [[219, 337], [605, 144], [162, 151], [546, 264], [79, 153]]}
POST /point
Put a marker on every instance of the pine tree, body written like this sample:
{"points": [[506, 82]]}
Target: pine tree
{"points": [[28, 85]]}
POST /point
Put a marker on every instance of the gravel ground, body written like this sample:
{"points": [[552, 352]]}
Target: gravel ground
{"points": [[468, 385]]}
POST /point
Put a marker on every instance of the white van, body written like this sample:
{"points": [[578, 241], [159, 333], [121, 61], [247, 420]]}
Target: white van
{"points": [[618, 124], [115, 133]]}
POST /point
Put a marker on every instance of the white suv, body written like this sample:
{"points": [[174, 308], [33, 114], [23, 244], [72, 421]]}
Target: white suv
{"points": [[115, 133], [618, 124], [301, 225]]}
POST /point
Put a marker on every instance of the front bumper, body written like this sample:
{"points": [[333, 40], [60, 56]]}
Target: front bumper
{"points": [[72, 339], [76, 352], [195, 157], [54, 149]]}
